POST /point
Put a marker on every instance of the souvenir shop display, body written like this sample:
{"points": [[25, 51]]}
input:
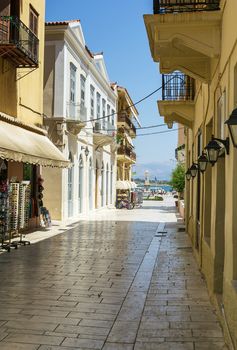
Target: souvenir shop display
{"points": [[24, 209], [15, 202], [4, 208]]}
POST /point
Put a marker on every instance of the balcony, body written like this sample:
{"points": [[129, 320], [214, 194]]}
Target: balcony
{"points": [[125, 121], [178, 94], [184, 35], [17, 43], [76, 116], [170, 6], [103, 133], [126, 155]]}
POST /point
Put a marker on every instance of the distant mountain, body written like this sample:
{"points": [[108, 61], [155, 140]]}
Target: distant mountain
{"points": [[160, 170]]}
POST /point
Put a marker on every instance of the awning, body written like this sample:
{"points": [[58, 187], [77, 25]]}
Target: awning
{"points": [[123, 185], [21, 145]]}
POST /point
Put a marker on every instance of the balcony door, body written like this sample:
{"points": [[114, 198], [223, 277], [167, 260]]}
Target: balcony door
{"points": [[70, 188], [90, 185], [102, 184], [96, 183], [80, 184]]}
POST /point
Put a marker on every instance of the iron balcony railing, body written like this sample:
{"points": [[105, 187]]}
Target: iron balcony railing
{"points": [[166, 6], [177, 87], [126, 151], [76, 112], [105, 129], [122, 118], [14, 32]]}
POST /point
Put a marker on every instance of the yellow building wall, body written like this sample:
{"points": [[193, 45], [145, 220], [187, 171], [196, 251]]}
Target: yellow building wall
{"points": [[21, 90], [217, 256]]}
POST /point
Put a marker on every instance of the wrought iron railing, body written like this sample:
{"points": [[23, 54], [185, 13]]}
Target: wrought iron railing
{"points": [[122, 118], [166, 6], [107, 129], [76, 112], [14, 32], [177, 87], [126, 151]]}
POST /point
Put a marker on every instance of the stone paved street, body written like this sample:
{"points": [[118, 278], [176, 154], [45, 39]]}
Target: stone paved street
{"points": [[122, 280]]}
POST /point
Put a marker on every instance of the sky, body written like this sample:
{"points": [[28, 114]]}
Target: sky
{"points": [[117, 28]]}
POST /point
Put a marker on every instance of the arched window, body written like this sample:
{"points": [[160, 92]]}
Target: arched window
{"points": [[102, 184], [80, 184], [70, 186], [90, 184]]}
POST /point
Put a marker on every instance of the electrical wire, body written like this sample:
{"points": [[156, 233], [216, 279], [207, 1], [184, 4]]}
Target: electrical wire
{"points": [[147, 134], [137, 128], [159, 132], [130, 106]]}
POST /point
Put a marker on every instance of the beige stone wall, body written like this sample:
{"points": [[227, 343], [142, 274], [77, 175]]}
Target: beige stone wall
{"points": [[218, 200]]}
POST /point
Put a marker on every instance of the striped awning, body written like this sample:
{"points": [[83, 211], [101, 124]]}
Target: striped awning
{"points": [[20, 144]]}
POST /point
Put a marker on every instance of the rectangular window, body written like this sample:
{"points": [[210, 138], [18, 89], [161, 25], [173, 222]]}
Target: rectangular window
{"points": [[112, 116], [72, 83], [98, 105], [108, 113], [83, 90], [103, 113], [92, 93], [33, 21]]}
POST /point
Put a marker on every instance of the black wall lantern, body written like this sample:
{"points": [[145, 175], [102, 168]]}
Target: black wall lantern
{"points": [[194, 169], [202, 162], [232, 126], [170, 124], [214, 147], [188, 174]]}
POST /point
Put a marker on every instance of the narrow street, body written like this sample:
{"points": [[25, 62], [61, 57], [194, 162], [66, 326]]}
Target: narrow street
{"points": [[122, 280]]}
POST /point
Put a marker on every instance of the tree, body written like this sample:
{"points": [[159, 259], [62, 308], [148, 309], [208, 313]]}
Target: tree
{"points": [[178, 178]]}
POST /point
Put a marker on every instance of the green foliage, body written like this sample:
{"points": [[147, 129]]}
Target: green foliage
{"points": [[156, 198], [119, 139], [178, 178]]}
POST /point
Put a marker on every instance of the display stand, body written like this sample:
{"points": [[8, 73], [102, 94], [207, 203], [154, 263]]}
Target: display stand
{"points": [[4, 211], [24, 210], [25, 191], [13, 211]]}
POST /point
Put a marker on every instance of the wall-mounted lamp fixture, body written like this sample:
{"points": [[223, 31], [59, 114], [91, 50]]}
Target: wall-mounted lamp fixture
{"points": [[170, 125], [232, 126], [214, 147], [86, 150], [194, 169], [188, 174], [202, 162]]}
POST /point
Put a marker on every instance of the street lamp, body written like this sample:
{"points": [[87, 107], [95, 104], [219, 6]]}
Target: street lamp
{"points": [[188, 174], [194, 169], [232, 126], [202, 162], [213, 149]]}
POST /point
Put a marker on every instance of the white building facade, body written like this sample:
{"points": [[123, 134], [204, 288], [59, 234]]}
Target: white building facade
{"points": [[80, 108]]}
